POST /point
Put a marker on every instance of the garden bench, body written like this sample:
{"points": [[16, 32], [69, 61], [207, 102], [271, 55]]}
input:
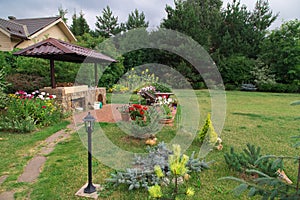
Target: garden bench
{"points": [[150, 98], [248, 87]]}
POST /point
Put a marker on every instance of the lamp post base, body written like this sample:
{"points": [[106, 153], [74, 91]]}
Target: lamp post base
{"points": [[90, 188], [93, 195]]}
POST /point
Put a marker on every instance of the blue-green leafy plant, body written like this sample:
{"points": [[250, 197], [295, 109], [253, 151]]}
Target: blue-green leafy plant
{"points": [[157, 168]]}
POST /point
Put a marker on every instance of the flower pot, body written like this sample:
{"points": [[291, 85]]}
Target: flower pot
{"points": [[166, 121], [125, 117]]}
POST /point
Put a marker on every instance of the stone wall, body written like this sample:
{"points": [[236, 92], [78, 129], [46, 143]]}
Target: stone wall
{"points": [[77, 97]]}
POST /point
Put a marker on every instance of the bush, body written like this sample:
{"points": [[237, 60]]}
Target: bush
{"points": [[279, 87], [25, 82], [26, 112]]}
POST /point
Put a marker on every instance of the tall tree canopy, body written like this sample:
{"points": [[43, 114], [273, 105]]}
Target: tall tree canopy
{"points": [[107, 24], [281, 52], [136, 20], [197, 18], [62, 13], [79, 24]]}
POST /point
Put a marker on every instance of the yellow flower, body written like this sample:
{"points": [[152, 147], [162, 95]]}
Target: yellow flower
{"points": [[132, 69], [155, 191], [190, 192], [158, 171], [147, 70]]}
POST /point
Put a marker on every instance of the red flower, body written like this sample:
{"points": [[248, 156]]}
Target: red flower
{"points": [[141, 112], [51, 97], [44, 106], [137, 106]]}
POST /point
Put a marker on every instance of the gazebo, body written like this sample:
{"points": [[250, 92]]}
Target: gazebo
{"points": [[54, 49], [57, 50]]}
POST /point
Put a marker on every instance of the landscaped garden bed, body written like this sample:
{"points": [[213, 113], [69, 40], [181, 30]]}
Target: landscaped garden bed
{"points": [[262, 119]]}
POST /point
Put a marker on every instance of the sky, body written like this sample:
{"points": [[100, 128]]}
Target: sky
{"points": [[154, 10]]}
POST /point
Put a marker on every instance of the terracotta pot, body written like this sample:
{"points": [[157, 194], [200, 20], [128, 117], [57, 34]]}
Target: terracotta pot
{"points": [[125, 117], [166, 121]]}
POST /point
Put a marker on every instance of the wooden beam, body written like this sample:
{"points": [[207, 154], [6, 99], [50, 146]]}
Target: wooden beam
{"points": [[96, 74], [52, 74]]}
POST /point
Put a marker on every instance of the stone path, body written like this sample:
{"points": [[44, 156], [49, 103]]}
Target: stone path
{"points": [[35, 165], [108, 113]]}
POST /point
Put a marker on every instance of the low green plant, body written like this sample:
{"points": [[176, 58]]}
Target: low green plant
{"points": [[246, 160], [207, 133], [157, 168], [144, 122]]}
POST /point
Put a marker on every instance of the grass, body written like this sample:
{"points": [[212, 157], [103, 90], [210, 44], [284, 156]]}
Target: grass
{"points": [[17, 149], [263, 119]]}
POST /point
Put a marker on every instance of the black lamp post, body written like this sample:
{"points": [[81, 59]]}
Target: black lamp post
{"points": [[89, 122]]}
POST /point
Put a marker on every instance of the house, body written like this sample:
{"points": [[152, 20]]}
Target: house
{"points": [[21, 33]]}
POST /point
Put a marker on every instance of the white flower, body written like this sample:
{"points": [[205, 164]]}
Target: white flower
{"points": [[41, 97], [43, 93], [54, 96], [47, 98], [33, 93]]}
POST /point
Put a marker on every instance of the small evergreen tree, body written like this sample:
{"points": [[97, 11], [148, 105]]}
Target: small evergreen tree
{"points": [[107, 24]]}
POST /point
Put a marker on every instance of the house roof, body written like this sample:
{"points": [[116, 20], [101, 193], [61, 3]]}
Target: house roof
{"points": [[35, 24], [13, 28], [25, 28], [59, 50]]}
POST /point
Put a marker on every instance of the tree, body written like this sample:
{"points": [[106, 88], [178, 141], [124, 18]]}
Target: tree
{"points": [[62, 13], [107, 24], [79, 25], [281, 51], [136, 20], [197, 18]]}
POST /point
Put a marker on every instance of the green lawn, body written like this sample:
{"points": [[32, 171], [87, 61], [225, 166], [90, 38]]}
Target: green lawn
{"points": [[264, 119], [17, 149]]}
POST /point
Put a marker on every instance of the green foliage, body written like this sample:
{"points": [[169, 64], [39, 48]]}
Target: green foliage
{"points": [[3, 85], [142, 125], [62, 13], [281, 51], [25, 82], [207, 132], [157, 169], [248, 160], [136, 20], [79, 25], [107, 24], [88, 41]]}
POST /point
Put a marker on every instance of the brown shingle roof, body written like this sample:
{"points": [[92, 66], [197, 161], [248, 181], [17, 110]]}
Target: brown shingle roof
{"points": [[25, 27], [35, 24], [13, 28], [59, 50]]}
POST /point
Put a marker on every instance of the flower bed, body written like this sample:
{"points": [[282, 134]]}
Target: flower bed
{"points": [[27, 111]]}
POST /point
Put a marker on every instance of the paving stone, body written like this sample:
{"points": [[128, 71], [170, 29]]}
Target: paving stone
{"points": [[3, 178], [7, 195], [93, 195], [32, 170]]}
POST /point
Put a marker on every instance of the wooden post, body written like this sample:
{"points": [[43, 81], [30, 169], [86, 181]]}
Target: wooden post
{"points": [[96, 74], [53, 84]]}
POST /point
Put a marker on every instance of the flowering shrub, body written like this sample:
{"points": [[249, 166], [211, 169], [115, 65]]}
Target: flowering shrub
{"points": [[28, 111], [150, 89], [137, 110], [144, 121]]}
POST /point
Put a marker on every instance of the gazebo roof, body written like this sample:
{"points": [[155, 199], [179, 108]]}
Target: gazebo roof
{"points": [[54, 49]]}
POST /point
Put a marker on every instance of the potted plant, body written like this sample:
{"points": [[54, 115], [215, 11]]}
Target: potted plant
{"points": [[136, 110]]}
